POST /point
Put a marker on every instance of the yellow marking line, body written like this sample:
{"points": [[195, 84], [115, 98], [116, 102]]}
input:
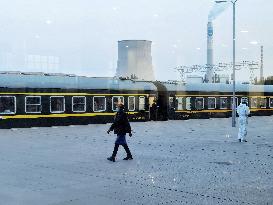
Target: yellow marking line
{"points": [[223, 110], [194, 95], [76, 94], [223, 96], [260, 96], [61, 115], [260, 109], [199, 111]]}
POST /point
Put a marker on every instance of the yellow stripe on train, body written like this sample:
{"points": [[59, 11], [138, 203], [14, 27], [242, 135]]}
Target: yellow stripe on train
{"points": [[75, 94], [61, 115], [223, 110]]}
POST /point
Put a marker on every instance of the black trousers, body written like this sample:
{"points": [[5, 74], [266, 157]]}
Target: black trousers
{"points": [[125, 146]]}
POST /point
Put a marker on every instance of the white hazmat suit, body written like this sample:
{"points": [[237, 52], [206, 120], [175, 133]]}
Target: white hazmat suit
{"points": [[243, 112]]}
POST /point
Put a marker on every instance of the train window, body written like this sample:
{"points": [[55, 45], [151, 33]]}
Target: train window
{"points": [[179, 105], [211, 102], [141, 104], [33, 104], [231, 102], [78, 104], [262, 103], [188, 103], [115, 101], [253, 102], [131, 103], [7, 104], [199, 103], [171, 103], [99, 104], [57, 104], [271, 102], [223, 103]]}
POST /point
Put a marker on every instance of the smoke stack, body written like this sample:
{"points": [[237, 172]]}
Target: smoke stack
{"points": [[210, 71], [135, 59]]}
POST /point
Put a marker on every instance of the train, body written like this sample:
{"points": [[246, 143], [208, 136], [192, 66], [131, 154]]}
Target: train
{"points": [[29, 99]]}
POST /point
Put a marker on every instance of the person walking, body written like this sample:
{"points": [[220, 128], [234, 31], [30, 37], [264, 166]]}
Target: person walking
{"points": [[153, 111], [121, 126], [243, 112]]}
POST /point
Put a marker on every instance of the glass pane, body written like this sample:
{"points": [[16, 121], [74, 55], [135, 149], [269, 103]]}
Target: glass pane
{"points": [[199, 103], [236, 101], [188, 103], [57, 104], [271, 102], [79, 107], [99, 104], [179, 103], [33, 108], [131, 103], [141, 103], [33, 100], [116, 100], [171, 102], [223, 103], [77, 100], [78, 104], [211, 103], [253, 102], [262, 103], [7, 105]]}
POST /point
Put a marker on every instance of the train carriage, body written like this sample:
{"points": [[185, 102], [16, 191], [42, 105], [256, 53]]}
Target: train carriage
{"points": [[38, 99], [215, 100], [28, 100]]}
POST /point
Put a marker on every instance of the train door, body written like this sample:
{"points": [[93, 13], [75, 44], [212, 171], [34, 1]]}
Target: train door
{"points": [[162, 106], [152, 108], [162, 101], [171, 105]]}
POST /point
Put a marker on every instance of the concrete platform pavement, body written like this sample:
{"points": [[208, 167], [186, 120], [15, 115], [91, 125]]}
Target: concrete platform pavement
{"points": [[175, 162]]}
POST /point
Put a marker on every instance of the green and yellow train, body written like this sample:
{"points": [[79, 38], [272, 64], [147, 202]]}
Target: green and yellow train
{"points": [[38, 99]]}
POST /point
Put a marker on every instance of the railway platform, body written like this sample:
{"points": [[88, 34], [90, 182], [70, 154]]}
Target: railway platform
{"points": [[196, 161]]}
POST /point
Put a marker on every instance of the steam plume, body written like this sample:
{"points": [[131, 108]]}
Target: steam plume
{"points": [[217, 9]]}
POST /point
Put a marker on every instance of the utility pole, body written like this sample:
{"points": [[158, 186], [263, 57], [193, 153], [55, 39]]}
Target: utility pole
{"points": [[233, 75], [262, 65]]}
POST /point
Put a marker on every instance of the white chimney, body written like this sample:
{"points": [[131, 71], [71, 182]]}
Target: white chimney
{"points": [[210, 70]]}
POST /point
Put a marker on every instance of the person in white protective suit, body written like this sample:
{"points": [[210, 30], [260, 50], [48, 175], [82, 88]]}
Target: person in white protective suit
{"points": [[243, 112]]}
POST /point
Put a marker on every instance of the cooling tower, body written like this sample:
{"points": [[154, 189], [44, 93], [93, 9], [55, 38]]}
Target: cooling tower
{"points": [[135, 59], [210, 70]]}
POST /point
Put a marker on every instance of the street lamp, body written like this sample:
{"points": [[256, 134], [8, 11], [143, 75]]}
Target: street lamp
{"points": [[233, 73]]}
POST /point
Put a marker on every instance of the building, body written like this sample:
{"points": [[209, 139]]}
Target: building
{"points": [[135, 59]]}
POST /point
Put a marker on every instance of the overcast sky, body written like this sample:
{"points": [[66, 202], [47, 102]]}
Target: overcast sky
{"points": [[84, 33]]}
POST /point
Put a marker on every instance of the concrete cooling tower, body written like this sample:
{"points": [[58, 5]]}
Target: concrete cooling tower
{"points": [[135, 59]]}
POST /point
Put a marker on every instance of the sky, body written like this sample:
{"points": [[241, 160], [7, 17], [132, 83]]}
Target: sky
{"points": [[82, 35]]}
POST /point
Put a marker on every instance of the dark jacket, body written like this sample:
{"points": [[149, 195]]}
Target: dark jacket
{"points": [[121, 124]]}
